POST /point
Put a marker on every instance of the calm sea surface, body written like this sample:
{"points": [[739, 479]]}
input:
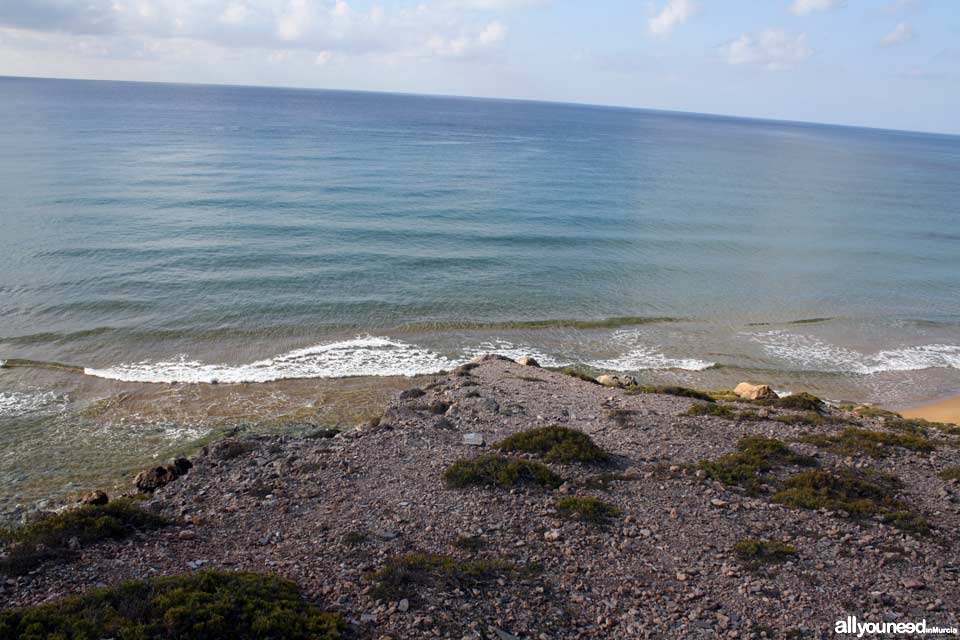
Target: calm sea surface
{"points": [[154, 234]]}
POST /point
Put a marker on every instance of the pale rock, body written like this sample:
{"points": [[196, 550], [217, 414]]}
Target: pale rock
{"points": [[749, 391]]}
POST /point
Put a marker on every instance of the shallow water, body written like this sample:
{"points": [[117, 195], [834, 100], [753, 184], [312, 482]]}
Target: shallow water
{"points": [[159, 234]]}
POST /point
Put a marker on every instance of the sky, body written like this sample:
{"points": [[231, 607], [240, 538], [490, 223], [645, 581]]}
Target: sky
{"points": [[877, 63]]}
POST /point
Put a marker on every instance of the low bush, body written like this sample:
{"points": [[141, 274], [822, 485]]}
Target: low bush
{"points": [[205, 606], [858, 494], [493, 470], [555, 444], [876, 444], [713, 410], [755, 457], [756, 552], [680, 392], [404, 576], [587, 509], [53, 536]]}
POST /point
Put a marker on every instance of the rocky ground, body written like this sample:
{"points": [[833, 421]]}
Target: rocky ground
{"points": [[328, 512]]}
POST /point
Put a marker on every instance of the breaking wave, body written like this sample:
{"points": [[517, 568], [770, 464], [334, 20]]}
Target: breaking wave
{"points": [[813, 353]]}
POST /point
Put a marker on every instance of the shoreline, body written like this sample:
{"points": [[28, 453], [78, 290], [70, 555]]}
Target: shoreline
{"points": [[572, 545], [947, 411]]}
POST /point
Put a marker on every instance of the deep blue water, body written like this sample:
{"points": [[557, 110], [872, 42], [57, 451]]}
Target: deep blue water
{"points": [[172, 232]]}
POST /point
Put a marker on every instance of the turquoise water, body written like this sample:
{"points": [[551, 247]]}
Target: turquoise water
{"points": [[168, 233]]}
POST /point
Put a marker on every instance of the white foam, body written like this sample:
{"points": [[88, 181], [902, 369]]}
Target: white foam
{"points": [[366, 356], [362, 356], [16, 403], [514, 352], [810, 352], [644, 357]]}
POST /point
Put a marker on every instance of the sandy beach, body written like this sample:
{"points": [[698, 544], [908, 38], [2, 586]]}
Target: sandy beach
{"points": [[944, 411]]}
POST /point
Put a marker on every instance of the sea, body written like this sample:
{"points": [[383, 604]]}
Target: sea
{"points": [[181, 261]]}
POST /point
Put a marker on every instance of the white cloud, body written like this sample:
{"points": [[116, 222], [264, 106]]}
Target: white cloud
{"points": [[492, 34], [774, 49], [673, 14], [804, 7], [465, 43], [317, 27], [496, 5], [235, 13], [900, 34]]}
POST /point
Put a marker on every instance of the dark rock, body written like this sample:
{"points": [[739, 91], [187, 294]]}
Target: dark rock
{"points": [[95, 497], [181, 466], [152, 479], [410, 394], [229, 449]]}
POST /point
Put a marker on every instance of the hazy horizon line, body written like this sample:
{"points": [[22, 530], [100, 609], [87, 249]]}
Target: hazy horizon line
{"points": [[730, 116]]}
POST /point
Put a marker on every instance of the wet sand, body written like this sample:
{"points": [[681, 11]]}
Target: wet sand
{"points": [[944, 411]]}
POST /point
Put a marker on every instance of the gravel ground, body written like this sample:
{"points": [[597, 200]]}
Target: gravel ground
{"points": [[328, 512]]}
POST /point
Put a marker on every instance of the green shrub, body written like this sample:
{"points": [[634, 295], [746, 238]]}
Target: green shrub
{"points": [[604, 480], [950, 473], [865, 411], [575, 373], [555, 444], [755, 457], [811, 418], [854, 442], [763, 551], [469, 543], [405, 576], [714, 410], [50, 537], [205, 606], [801, 401], [355, 538], [680, 392], [587, 509], [860, 495], [493, 470]]}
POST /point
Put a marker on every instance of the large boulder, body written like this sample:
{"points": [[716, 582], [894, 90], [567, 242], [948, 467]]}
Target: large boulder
{"points": [[616, 381], [748, 391], [528, 361], [95, 498], [150, 480]]}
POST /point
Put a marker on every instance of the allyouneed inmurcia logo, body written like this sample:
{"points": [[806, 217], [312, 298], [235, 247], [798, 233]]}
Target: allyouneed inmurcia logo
{"points": [[852, 626]]}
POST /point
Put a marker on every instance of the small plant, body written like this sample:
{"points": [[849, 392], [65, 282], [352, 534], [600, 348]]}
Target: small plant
{"points": [[203, 606], [680, 392], [575, 373], [860, 495], [876, 444], [604, 480], [801, 401], [865, 411], [53, 536], [756, 552], [408, 574], [524, 378], [950, 473], [493, 470], [755, 457], [355, 538], [469, 543], [555, 444], [587, 509], [713, 410], [810, 418]]}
